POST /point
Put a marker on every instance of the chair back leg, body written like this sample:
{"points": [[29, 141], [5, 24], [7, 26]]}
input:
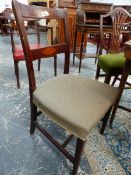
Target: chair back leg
{"points": [[78, 153], [97, 72], [107, 78], [17, 73], [55, 65]]}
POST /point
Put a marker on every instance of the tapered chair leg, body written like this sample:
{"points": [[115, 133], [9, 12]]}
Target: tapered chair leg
{"points": [[81, 50], [97, 72], [113, 115], [74, 51], [78, 153], [107, 78], [105, 120], [125, 73], [98, 45], [114, 80], [17, 73], [33, 118], [39, 62], [55, 65]]}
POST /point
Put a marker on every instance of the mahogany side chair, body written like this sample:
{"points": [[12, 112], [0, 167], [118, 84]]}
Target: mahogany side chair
{"points": [[17, 50], [113, 61], [75, 103]]}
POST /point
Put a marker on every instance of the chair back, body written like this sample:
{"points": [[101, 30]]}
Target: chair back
{"points": [[9, 14], [22, 12], [111, 40]]}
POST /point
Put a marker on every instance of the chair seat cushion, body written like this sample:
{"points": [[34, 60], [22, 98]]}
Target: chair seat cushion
{"points": [[75, 103], [112, 63], [19, 54]]}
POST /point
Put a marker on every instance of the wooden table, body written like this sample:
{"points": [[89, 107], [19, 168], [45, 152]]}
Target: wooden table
{"points": [[3, 20], [84, 28]]}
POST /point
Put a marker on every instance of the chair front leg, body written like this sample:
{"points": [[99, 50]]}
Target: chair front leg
{"points": [[81, 50], [39, 62], [55, 65], [97, 72], [107, 78], [74, 50], [105, 120], [114, 80], [33, 117], [17, 73], [78, 153]]}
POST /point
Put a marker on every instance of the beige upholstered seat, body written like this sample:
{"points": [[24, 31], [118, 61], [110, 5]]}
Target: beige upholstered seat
{"points": [[76, 103]]}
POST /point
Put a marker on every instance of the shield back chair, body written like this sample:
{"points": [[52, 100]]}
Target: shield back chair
{"points": [[17, 50], [113, 61], [75, 103]]}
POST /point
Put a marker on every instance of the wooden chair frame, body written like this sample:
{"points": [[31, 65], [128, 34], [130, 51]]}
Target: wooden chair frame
{"points": [[32, 55], [13, 31], [120, 18], [120, 24], [21, 12]]}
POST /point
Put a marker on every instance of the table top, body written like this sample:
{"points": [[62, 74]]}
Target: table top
{"points": [[2, 17]]}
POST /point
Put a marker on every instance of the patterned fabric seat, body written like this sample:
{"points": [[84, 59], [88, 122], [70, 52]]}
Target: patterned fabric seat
{"points": [[113, 63], [75, 103]]}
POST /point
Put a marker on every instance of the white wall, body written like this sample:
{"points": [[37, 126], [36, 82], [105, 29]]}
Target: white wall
{"points": [[7, 3], [122, 2], [115, 2]]}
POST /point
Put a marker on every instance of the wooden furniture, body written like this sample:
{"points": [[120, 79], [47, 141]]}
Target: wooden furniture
{"points": [[71, 6], [44, 3], [125, 36], [93, 10], [125, 73], [112, 45], [67, 3], [84, 28], [17, 50], [87, 22], [68, 100], [3, 20], [113, 63], [4, 25], [126, 7]]}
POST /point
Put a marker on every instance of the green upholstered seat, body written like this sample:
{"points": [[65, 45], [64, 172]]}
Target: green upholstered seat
{"points": [[112, 63], [75, 103]]}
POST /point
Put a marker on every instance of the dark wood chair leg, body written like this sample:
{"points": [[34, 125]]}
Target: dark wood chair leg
{"points": [[98, 45], [121, 87], [97, 72], [113, 115], [55, 65], [105, 120], [81, 50], [107, 78], [80, 65], [33, 118], [39, 62], [17, 73], [74, 47], [114, 80], [78, 153]]}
